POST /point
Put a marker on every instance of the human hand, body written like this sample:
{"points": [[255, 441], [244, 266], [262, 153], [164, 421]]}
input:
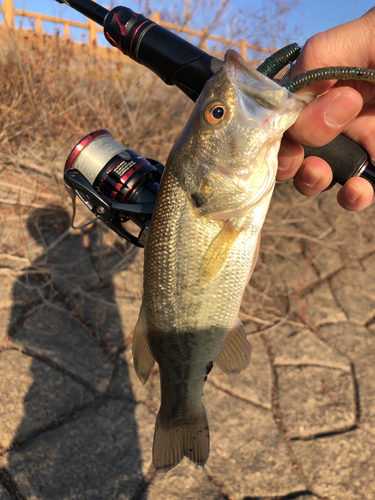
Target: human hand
{"points": [[346, 107]]}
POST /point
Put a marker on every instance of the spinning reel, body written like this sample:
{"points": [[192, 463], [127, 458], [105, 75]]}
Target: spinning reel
{"points": [[116, 184]]}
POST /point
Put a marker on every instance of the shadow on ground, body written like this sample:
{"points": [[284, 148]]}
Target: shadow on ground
{"points": [[70, 435]]}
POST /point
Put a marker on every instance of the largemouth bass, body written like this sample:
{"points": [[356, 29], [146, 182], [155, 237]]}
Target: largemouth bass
{"points": [[202, 247]]}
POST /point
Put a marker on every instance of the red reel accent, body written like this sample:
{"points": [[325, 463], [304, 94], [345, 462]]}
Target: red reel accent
{"points": [[82, 144]]}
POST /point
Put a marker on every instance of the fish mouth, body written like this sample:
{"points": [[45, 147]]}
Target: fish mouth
{"points": [[236, 67], [253, 83], [233, 58]]}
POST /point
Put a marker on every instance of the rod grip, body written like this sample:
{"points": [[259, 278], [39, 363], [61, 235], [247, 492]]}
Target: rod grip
{"points": [[345, 157]]}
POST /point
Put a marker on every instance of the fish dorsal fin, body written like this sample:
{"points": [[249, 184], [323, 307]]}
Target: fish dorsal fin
{"points": [[218, 252], [143, 358], [235, 354]]}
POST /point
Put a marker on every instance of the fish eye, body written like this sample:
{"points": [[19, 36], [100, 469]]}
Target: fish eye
{"points": [[215, 112]]}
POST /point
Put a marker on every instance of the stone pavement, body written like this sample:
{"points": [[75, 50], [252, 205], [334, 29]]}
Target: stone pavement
{"points": [[299, 423]]}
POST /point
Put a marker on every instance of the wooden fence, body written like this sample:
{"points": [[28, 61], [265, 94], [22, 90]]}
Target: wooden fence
{"points": [[9, 13]]}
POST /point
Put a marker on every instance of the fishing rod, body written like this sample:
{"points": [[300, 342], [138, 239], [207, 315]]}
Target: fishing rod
{"points": [[119, 185]]}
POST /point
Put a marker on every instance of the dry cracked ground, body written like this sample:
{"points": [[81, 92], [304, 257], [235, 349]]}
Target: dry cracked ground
{"points": [[299, 423]]}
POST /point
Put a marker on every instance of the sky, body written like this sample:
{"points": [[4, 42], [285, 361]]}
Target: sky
{"points": [[311, 16], [320, 15]]}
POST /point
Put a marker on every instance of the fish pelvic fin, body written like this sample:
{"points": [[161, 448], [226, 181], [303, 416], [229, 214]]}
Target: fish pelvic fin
{"points": [[235, 354], [143, 358], [218, 252], [174, 442]]}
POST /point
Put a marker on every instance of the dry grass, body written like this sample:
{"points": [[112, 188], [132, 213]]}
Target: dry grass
{"points": [[51, 95]]}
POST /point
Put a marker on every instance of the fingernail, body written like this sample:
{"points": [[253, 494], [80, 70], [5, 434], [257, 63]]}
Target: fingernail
{"points": [[285, 159], [310, 176], [341, 110], [287, 154], [351, 194]]}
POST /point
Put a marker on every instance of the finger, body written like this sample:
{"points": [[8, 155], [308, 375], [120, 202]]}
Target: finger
{"points": [[357, 194], [291, 156], [314, 176], [326, 117]]}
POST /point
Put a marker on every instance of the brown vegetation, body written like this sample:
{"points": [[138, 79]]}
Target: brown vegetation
{"points": [[51, 95]]}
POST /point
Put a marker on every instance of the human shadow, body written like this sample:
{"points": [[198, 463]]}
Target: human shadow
{"points": [[77, 437]]}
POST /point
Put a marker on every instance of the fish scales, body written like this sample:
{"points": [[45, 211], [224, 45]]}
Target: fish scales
{"points": [[174, 294], [202, 247]]}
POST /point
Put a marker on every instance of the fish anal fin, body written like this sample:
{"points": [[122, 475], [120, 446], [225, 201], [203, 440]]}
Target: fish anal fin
{"points": [[172, 442], [235, 354], [218, 252], [143, 358]]}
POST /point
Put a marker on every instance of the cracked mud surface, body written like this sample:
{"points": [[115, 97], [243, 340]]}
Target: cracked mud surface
{"points": [[298, 424]]}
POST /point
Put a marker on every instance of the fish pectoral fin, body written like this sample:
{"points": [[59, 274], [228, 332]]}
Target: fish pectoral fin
{"points": [[218, 252], [235, 354], [143, 358]]}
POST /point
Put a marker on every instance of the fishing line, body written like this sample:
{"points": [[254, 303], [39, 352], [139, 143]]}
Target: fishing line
{"points": [[95, 154]]}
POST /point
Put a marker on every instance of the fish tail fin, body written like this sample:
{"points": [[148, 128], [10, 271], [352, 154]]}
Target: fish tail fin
{"points": [[172, 442]]}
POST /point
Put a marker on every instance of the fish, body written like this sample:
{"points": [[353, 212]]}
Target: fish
{"points": [[202, 247]]}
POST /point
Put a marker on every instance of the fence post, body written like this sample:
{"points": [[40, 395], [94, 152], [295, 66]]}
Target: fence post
{"points": [[244, 49], [66, 31], [39, 27], [155, 16], [92, 32], [204, 36], [8, 11]]}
